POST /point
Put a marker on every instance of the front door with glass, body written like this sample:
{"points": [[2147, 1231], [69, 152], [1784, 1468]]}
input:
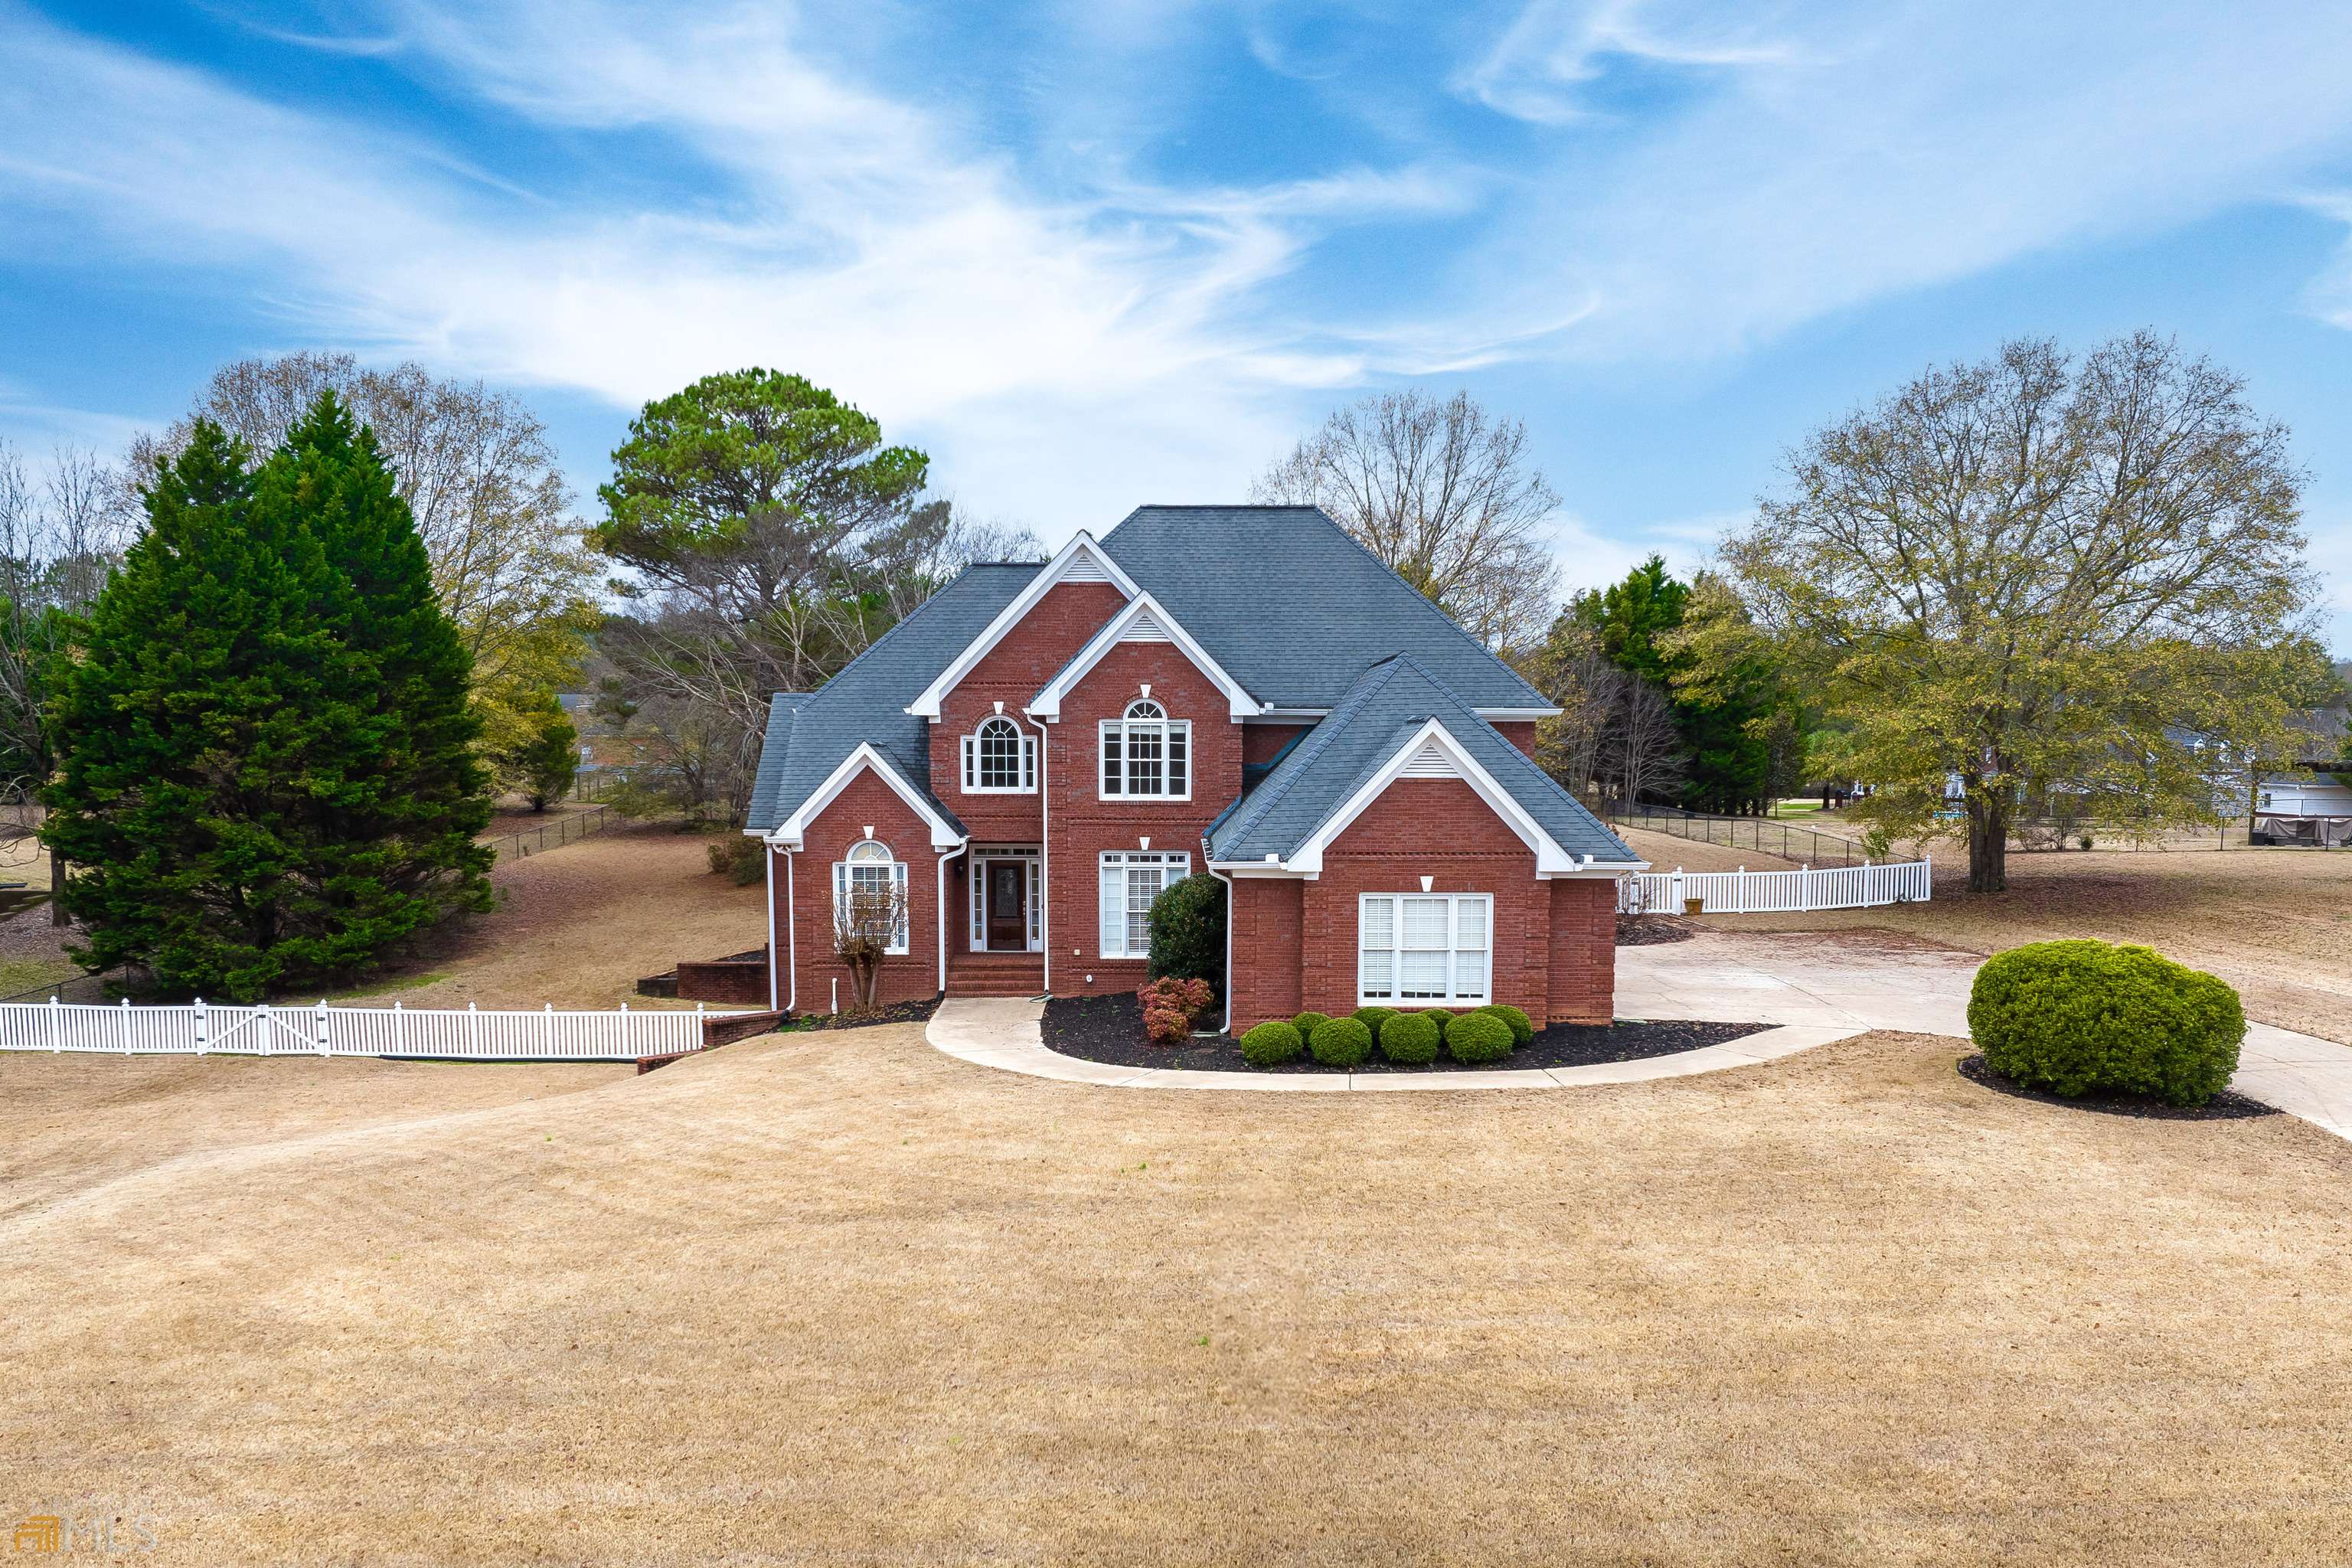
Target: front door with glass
{"points": [[1008, 906]]}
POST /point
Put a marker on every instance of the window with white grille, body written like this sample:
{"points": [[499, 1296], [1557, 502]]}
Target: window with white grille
{"points": [[1147, 756], [1131, 880], [998, 759], [1425, 948], [867, 884]]}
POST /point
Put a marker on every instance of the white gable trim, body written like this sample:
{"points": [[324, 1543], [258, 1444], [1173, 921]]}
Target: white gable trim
{"points": [[1143, 618], [1081, 560], [791, 832], [1550, 858]]}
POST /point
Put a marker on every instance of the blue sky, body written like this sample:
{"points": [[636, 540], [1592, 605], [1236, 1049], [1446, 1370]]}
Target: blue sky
{"points": [[1105, 253]]}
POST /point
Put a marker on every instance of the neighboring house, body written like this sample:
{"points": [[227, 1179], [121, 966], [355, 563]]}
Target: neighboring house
{"points": [[1037, 751], [2312, 808]]}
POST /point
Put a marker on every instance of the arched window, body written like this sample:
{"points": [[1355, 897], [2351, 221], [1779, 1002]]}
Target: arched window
{"points": [[1147, 756], [869, 893], [998, 759]]}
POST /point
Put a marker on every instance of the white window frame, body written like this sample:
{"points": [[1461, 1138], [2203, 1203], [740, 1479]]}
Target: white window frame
{"points": [[1026, 768], [852, 860], [1169, 732], [1455, 995], [1114, 885]]}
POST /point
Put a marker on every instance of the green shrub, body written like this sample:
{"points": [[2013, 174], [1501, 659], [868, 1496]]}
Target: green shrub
{"points": [[738, 857], [1373, 1017], [1478, 1037], [1271, 1045], [1341, 1043], [1440, 1017], [1410, 1038], [1188, 932], [2084, 1017], [1523, 1028], [1307, 1023]]}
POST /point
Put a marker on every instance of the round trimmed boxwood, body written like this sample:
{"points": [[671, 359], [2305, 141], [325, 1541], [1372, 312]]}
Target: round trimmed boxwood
{"points": [[2080, 1017], [1523, 1028], [1271, 1045], [1373, 1017], [1440, 1017], [1307, 1023], [1341, 1043], [1410, 1038], [1478, 1037]]}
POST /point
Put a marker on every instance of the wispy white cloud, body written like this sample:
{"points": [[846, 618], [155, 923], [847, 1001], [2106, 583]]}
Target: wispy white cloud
{"points": [[1541, 65]]}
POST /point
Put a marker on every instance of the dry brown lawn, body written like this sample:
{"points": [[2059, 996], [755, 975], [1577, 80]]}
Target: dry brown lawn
{"points": [[579, 926], [840, 1299], [2275, 923], [1664, 852]]}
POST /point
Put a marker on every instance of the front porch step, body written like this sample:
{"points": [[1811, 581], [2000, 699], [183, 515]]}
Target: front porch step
{"points": [[996, 974]]}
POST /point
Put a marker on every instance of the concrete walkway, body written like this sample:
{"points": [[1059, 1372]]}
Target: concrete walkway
{"points": [[1815, 988], [1865, 980]]}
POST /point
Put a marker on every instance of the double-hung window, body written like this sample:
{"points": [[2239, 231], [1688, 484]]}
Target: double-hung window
{"points": [[1147, 756], [869, 894], [998, 759], [1424, 947], [1130, 881]]}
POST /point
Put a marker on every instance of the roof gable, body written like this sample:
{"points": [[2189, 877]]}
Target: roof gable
{"points": [[1397, 722], [1080, 561], [1143, 620]]}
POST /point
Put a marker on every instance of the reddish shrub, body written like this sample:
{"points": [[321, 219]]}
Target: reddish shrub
{"points": [[1163, 1027]]}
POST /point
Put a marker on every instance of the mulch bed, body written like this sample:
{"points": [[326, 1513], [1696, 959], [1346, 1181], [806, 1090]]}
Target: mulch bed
{"points": [[2227, 1105], [893, 1012], [1648, 931], [1109, 1029]]}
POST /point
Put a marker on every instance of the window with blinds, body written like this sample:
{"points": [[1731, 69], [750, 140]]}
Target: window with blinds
{"points": [[1425, 948], [1131, 880]]}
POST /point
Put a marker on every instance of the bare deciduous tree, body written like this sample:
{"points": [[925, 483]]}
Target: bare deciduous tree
{"points": [[1442, 492], [60, 536], [869, 920]]}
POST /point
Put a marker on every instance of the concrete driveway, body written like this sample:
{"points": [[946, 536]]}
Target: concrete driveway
{"points": [[1866, 980]]}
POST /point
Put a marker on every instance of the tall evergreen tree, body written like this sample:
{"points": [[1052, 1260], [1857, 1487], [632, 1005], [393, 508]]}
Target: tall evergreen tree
{"points": [[1725, 724], [266, 748]]}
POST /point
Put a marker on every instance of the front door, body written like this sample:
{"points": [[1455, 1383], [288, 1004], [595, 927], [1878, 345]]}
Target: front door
{"points": [[1008, 906]]}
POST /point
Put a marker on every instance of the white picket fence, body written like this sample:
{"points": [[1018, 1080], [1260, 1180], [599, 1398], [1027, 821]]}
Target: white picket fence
{"points": [[470, 1034], [1746, 892]]}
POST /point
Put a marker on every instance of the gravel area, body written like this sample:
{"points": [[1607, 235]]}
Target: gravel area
{"points": [[1109, 1029]]}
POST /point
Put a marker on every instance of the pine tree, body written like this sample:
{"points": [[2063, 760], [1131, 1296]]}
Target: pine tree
{"points": [[265, 767]]}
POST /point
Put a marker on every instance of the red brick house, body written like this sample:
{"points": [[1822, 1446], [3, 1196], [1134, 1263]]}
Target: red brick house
{"points": [[1244, 691]]}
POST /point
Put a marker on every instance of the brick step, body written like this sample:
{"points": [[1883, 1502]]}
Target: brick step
{"points": [[996, 974]]}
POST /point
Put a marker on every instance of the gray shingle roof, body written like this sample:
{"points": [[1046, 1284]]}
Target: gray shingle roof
{"points": [[808, 736], [1372, 720], [1294, 608]]}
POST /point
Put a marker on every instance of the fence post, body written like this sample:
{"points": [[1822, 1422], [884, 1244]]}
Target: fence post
{"points": [[699, 1036], [126, 1026], [56, 1035], [1680, 904], [268, 1034], [1740, 893], [399, 1029], [1805, 887], [323, 1026], [201, 1030], [547, 1029], [473, 1031]]}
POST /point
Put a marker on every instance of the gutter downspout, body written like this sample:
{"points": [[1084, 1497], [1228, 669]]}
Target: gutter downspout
{"points": [[1227, 1027], [768, 864], [1044, 854], [941, 912]]}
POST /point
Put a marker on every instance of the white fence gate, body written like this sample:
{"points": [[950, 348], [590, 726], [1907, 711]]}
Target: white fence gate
{"points": [[1746, 892], [470, 1035]]}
